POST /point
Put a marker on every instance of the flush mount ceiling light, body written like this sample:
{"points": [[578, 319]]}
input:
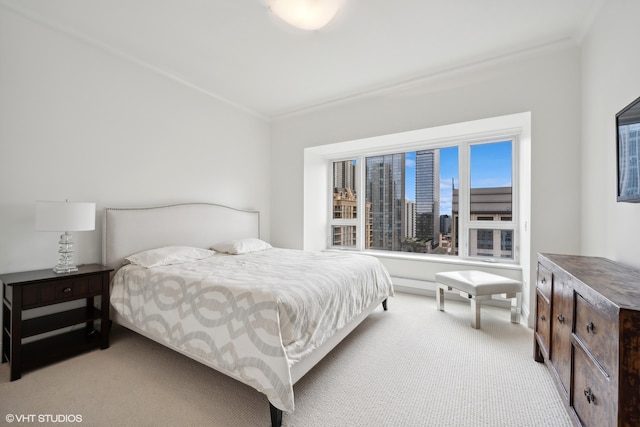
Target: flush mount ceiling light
{"points": [[305, 14]]}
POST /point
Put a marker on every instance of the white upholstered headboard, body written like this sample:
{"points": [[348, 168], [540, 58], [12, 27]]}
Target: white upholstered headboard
{"points": [[130, 230]]}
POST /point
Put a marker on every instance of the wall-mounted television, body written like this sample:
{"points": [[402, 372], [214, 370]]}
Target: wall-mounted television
{"points": [[628, 152]]}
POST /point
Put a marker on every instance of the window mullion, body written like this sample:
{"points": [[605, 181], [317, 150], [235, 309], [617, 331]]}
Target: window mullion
{"points": [[361, 203], [463, 200]]}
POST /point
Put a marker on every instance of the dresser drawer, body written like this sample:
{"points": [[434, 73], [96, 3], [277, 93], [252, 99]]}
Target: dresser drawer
{"points": [[544, 281], [599, 334], [593, 393], [543, 322], [60, 291]]}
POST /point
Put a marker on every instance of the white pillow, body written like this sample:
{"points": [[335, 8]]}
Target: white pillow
{"points": [[241, 246], [168, 255]]}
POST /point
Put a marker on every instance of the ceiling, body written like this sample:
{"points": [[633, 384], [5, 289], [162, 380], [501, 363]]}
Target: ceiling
{"points": [[237, 51]]}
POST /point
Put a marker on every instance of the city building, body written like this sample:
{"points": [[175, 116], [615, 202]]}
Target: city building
{"points": [[409, 219], [385, 189], [428, 196], [487, 204]]}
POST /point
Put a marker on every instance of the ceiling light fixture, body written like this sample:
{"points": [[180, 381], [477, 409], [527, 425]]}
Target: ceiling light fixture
{"points": [[306, 14]]}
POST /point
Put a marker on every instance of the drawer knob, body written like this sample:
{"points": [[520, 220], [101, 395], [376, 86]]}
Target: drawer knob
{"points": [[590, 327], [544, 280], [66, 290], [589, 395], [543, 317], [560, 318]]}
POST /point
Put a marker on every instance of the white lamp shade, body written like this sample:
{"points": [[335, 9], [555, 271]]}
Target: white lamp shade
{"points": [[306, 14], [65, 216]]}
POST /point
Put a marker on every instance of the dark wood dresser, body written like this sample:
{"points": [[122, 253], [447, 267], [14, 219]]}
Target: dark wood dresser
{"points": [[587, 331]]}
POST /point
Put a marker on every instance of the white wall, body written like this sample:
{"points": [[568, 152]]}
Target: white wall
{"points": [[611, 80], [544, 82], [80, 123]]}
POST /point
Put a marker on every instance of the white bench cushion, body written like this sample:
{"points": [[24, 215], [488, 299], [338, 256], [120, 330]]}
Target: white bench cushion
{"points": [[478, 282]]}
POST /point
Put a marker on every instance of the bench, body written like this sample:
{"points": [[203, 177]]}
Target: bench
{"points": [[478, 286]]}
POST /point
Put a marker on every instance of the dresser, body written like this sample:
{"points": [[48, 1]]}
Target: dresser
{"points": [[587, 332]]}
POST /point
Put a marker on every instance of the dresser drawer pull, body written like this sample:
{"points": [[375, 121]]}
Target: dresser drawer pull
{"points": [[590, 327], [589, 395], [560, 318], [544, 280], [66, 290], [543, 317]]}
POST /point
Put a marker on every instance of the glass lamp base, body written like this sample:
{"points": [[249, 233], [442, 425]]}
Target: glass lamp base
{"points": [[65, 269], [65, 263]]}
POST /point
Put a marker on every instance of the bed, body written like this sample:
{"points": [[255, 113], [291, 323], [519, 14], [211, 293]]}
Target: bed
{"points": [[197, 278]]}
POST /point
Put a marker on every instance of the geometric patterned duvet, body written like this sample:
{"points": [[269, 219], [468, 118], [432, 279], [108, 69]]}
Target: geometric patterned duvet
{"points": [[252, 316]]}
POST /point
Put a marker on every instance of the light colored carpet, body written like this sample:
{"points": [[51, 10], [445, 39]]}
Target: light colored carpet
{"points": [[409, 366]]}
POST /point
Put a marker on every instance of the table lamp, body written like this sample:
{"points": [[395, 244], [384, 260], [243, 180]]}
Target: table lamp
{"points": [[65, 216]]}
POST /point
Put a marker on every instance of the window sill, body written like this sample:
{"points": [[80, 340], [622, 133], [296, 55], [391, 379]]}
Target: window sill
{"points": [[436, 259]]}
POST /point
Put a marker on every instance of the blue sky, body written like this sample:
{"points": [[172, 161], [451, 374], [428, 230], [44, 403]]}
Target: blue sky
{"points": [[490, 167]]}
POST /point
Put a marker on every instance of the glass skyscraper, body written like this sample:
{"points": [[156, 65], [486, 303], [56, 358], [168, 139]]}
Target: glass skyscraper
{"points": [[428, 196], [385, 181]]}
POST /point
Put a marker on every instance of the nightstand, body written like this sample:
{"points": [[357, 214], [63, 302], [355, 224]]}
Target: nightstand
{"points": [[29, 290]]}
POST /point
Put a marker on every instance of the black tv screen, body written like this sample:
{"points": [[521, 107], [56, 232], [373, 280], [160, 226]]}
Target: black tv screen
{"points": [[628, 146]]}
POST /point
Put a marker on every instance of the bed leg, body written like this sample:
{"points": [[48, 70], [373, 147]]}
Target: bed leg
{"points": [[384, 305], [276, 416]]}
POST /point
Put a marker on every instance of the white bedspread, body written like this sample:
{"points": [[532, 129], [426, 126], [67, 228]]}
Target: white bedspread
{"points": [[251, 316]]}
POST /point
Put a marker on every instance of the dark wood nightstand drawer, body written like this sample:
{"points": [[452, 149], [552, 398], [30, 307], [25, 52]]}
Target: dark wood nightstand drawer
{"points": [[60, 291], [597, 333]]}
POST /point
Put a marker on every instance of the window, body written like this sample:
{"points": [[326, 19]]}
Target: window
{"points": [[345, 205], [506, 237], [484, 239], [448, 200], [491, 200]]}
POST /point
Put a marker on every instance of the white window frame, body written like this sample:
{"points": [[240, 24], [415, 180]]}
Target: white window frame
{"points": [[316, 200], [464, 168], [358, 222], [464, 198]]}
